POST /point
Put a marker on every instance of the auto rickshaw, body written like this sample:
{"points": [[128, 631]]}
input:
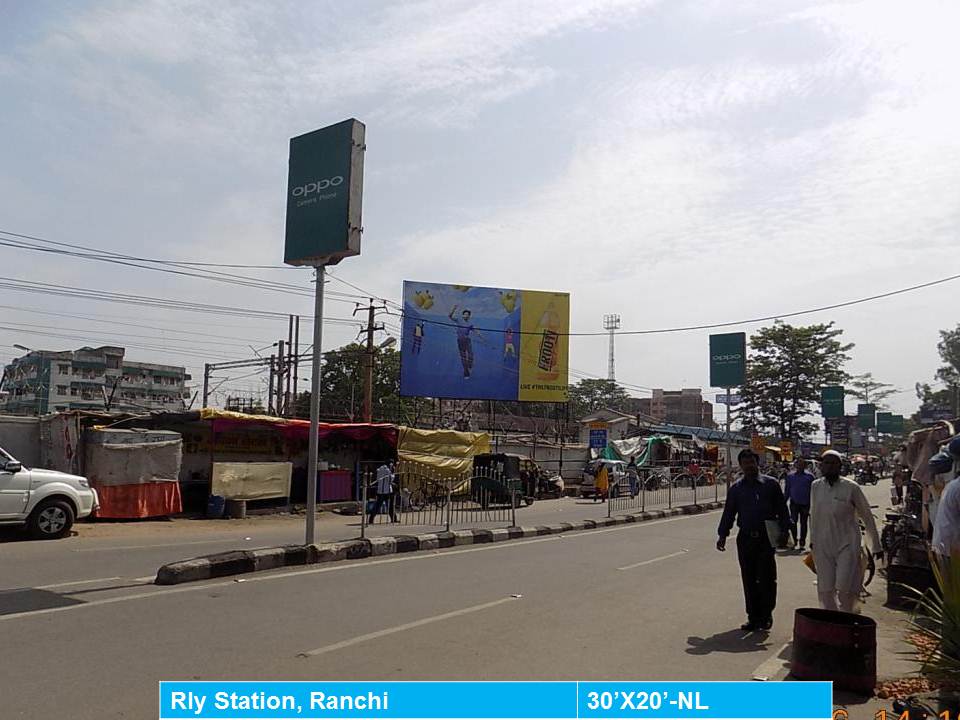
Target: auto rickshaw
{"points": [[500, 477]]}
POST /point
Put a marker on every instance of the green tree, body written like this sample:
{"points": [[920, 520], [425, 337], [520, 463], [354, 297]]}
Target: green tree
{"points": [[786, 368], [867, 390], [949, 372], [590, 395], [342, 384]]}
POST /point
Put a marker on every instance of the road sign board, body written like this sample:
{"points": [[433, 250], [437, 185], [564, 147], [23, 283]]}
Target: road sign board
{"points": [[728, 360], [839, 432], [734, 399], [598, 439], [885, 422], [831, 401], [866, 415]]}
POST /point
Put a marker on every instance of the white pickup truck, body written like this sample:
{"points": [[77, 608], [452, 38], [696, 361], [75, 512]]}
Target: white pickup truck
{"points": [[46, 501]]}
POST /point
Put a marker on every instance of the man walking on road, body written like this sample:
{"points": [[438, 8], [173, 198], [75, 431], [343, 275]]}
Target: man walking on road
{"points": [[753, 501], [797, 491], [384, 492], [835, 505]]}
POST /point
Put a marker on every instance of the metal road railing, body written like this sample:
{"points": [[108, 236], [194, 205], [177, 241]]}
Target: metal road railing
{"points": [[428, 499], [439, 500], [659, 488]]}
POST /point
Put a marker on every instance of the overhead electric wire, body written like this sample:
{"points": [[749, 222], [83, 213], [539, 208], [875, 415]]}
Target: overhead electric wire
{"points": [[708, 326], [81, 338], [92, 318], [147, 301], [134, 261]]}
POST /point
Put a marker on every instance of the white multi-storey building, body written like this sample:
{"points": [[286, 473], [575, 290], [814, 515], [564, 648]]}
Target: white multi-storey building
{"points": [[46, 381]]}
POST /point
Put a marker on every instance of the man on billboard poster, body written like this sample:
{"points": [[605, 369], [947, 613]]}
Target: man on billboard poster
{"points": [[464, 342]]}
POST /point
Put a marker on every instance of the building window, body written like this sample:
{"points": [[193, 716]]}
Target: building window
{"points": [[64, 369], [74, 391], [113, 362], [157, 379], [61, 389]]}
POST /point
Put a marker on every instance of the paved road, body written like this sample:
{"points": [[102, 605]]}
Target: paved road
{"points": [[132, 552], [652, 600]]}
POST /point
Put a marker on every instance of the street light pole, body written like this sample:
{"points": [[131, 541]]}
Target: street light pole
{"points": [[315, 408]]}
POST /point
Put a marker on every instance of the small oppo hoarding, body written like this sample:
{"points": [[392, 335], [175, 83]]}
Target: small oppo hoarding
{"points": [[324, 194], [728, 360], [831, 401]]}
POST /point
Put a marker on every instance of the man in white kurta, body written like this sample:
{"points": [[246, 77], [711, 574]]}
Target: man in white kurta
{"points": [[835, 505]]}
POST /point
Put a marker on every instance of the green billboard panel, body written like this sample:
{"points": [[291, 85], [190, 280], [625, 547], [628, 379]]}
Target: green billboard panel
{"points": [[885, 422], [866, 416], [324, 193], [898, 424], [831, 401], [728, 360]]}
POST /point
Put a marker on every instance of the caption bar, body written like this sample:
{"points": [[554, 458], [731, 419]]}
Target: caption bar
{"points": [[496, 700]]}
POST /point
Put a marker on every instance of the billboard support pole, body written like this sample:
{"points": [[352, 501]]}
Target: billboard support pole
{"points": [[315, 409], [729, 449]]}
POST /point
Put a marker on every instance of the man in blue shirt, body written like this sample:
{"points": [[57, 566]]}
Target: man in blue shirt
{"points": [[751, 502], [797, 491], [464, 345]]}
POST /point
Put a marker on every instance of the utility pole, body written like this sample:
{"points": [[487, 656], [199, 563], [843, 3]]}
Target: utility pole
{"points": [[206, 383], [288, 384], [273, 372], [296, 362], [368, 353], [281, 375]]}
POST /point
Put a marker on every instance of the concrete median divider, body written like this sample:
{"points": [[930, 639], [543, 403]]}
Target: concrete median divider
{"points": [[238, 562]]}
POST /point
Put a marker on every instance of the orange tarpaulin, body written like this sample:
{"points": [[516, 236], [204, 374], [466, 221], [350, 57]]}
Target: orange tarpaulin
{"points": [[139, 501]]}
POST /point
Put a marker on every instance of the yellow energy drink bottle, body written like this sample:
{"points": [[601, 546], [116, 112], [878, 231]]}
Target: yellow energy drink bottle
{"points": [[548, 357]]}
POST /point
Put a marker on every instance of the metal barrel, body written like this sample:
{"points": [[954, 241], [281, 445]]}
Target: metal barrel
{"points": [[836, 646]]}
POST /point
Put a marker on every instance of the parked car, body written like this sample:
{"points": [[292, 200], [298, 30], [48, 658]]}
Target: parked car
{"points": [[617, 472], [46, 501]]}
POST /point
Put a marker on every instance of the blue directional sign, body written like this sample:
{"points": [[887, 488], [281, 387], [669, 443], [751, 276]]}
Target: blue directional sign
{"points": [[598, 437]]}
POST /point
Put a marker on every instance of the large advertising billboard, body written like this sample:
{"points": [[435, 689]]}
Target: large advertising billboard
{"points": [[482, 343]]}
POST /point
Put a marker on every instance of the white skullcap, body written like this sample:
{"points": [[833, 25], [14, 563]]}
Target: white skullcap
{"points": [[832, 452]]}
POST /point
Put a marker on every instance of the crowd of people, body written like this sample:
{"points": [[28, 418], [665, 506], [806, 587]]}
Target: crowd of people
{"points": [[831, 509]]}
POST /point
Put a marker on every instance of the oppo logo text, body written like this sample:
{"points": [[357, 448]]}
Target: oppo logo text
{"points": [[722, 358], [317, 186]]}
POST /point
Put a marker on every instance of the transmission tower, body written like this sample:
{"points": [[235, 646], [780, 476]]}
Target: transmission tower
{"points": [[611, 323]]}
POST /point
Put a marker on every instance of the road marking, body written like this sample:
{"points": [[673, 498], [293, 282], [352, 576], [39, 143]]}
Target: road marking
{"points": [[656, 559], [336, 567], [160, 545], [75, 582], [773, 667], [401, 628]]}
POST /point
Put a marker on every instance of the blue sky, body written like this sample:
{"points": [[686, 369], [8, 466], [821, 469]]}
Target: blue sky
{"points": [[675, 162]]}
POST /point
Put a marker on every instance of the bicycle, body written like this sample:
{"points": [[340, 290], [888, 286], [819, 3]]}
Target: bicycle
{"points": [[428, 492]]}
